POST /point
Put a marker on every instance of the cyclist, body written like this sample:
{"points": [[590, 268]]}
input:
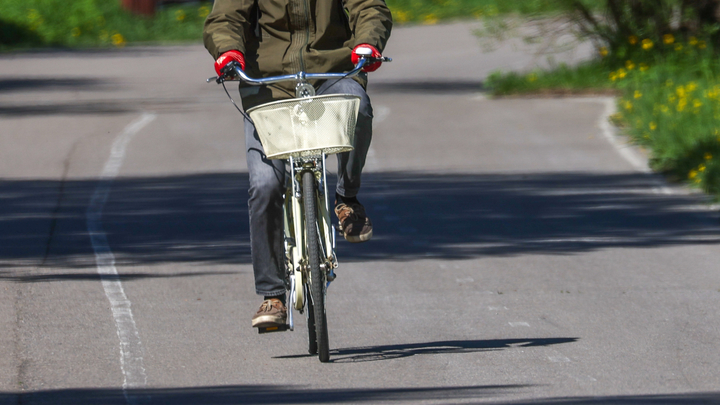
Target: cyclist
{"points": [[276, 37]]}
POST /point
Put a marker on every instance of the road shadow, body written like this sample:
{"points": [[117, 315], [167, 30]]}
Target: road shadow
{"points": [[283, 394], [253, 394], [429, 87], [94, 276], [701, 398], [27, 84], [203, 218], [390, 352]]}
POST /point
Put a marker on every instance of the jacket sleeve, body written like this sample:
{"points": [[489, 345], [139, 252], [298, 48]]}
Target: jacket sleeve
{"points": [[228, 26], [370, 22]]}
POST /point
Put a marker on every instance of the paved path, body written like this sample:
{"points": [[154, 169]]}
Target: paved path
{"points": [[519, 257]]}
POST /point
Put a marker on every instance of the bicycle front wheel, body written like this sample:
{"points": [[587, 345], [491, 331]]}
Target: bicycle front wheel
{"points": [[317, 276]]}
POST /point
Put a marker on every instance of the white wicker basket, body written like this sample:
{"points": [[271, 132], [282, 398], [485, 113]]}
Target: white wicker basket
{"points": [[304, 127]]}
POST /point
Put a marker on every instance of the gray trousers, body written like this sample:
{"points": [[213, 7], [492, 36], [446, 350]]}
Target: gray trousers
{"points": [[267, 184]]}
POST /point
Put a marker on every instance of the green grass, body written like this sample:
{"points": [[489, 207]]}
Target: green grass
{"points": [[590, 77], [432, 11], [83, 23], [669, 102], [80, 23]]}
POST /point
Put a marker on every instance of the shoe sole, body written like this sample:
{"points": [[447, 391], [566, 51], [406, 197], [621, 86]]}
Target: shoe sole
{"points": [[267, 321], [358, 238]]}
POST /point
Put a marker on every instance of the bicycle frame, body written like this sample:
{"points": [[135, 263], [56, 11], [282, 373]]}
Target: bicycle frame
{"points": [[296, 230]]}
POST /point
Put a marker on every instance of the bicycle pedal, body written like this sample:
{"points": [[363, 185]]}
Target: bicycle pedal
{"points": [[273, 329]]}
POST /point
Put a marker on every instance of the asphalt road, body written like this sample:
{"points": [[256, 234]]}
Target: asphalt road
{"points": [[522, 254]]}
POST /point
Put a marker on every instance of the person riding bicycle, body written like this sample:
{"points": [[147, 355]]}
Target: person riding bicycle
{"points": [[269, 38]]}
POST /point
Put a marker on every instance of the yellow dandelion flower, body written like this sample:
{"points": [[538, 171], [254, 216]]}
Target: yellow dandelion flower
{"points": [[692, 86], [693, 41], [621, 73], [668, 39], [643, 67], [532, 77], [630, 65], [678, 47], [647, 44], [203, 11], [627, 105], [118, 40], [682, 103], [680, 90], [632, 39], [692, 174], [708, 156], [702, 45], [698, 180], [664, 108], [180, 15], [430, 19], [603, 51], [613, 76], [652, 126], [701, 168], [401, 16], [637, 94], [697, 103]]}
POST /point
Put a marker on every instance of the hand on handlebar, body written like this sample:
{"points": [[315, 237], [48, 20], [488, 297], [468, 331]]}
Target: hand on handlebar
{"points": [[230, 56], [367, 51], [228, 68]]}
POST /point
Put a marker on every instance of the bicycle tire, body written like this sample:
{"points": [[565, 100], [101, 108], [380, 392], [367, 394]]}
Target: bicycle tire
{"points": [[310, 316], [317, 278]]}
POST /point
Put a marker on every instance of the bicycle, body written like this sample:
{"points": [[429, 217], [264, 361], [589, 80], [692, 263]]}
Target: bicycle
{"points": [[303, 131]]}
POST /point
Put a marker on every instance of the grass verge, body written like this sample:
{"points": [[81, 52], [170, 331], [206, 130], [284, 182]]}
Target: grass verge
{"points": [[84, 23], [432, 11], [668, 102]]}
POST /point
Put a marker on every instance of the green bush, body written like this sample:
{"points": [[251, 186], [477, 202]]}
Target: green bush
{"points": [[614, 21]]}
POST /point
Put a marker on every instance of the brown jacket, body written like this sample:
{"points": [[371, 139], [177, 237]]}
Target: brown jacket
{"points": [[286, 36]]}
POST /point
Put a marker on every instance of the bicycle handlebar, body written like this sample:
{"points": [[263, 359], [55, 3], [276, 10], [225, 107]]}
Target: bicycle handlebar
{"points": [[300, 77]]}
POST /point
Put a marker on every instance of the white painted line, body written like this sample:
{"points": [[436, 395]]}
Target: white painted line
{"points": [[623, 148], [131, 351], [559, 359], [503, 308], [583, 378], [518, 324]]}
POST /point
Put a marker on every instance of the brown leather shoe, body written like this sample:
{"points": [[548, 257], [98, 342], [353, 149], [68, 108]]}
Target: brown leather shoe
{"points": [[353, 223], [272, 312]]}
